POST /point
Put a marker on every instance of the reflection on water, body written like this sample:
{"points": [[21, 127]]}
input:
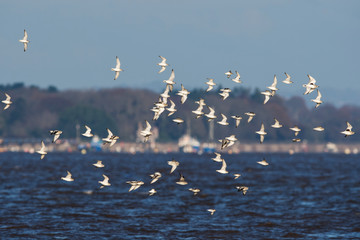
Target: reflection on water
{"points": [[298, 196]]}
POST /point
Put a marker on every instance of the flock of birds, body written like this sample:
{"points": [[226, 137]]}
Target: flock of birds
{"points": [[162, 104]]}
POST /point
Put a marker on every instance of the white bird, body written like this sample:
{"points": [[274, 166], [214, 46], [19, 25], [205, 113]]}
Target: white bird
{"points": [[348, 131], [287, 79], [237, 175], [42, 151], [237, 78], [87, 133], [156, 176], [273, 87], [181, 180], [178, 120], [263, 162], [174, 164], [296, 129], [146, 133], [162, 64], [7, 101], [276, 124], [56, 134], [225, 93], [210, 84], [152, 192], [111, 138], [25, 40], [237, 120], [211, 114], [267, 95], [171, 109], [211, 211], [135, 185], [310, 86], [222, 170], [194, 190], [223, 120], [296, 140], [317, 100], [242, 189], [105, 182], [199, 111], [251, 115], [217, 158], [117, 68], [170, 81], [183, 93], [228, 73], [68, 177], [99, 164], [165, 94], [319, 129], [262, 133]]}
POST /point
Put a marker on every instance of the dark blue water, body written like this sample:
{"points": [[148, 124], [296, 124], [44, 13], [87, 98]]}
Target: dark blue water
{"points": [[298, 196]]}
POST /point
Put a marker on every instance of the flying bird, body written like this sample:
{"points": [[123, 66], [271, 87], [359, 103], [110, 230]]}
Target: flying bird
{"points": [[56, 134], [170, 81], [87, 133], [262, 133], [319, 129], [171, 109], [223, 170], [310, 86], [117, 68], [210, 84], [211, 114], [162, 64], [217, 158], [296, 130], [99, 164], [68, 177], [42, 151], [25, 40], [263, 162], [267, 95], [7, 101], [237, 78], [178, 120], [237, 120], [348, 131], [228, 73], [152, 192], [276, 124], [211, 211], [155, 177], [237, 175], [135, 185], [146, 133], [183, 93], [225, 93], [111, 138], [242, 189], [251, 115], [287, 79], [194, 190], [223, 120], [317, 100], [181, 180], [105, 182], [174, 164]]}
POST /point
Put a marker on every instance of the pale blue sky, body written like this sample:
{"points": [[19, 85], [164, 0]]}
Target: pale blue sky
{"points": [[74, 43]]}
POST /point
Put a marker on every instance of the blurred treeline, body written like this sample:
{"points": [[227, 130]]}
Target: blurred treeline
{"points": [[35, 111]]}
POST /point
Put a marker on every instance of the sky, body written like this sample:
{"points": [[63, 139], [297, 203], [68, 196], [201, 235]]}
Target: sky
{"points": [[73, 44]]}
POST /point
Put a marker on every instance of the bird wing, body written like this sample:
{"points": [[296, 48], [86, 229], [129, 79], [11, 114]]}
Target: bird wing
{"points": [[148, 126], [7, 97], [25, 35], [349, 127], [162, 69], [172, 76], [117, 62], [110, 134], [116, 75]]}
